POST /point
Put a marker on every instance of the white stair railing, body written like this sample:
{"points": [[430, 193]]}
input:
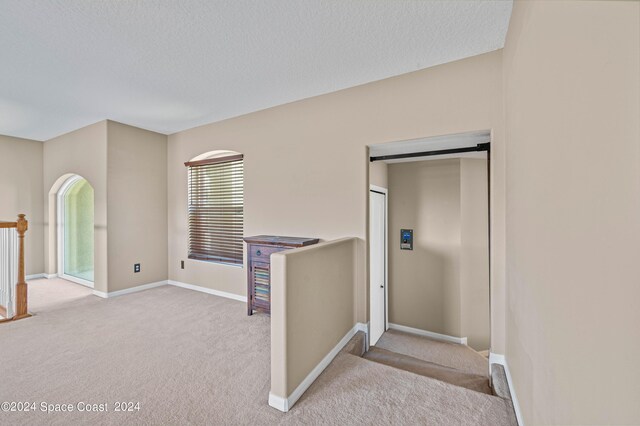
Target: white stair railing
{"points": [[8, 271], [13, 287]]}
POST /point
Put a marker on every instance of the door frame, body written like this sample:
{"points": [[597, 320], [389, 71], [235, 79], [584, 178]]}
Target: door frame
{"points": [[385, 192], [60, 213]]}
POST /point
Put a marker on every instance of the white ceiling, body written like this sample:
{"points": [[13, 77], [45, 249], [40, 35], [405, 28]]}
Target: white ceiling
{"points": [[169, 65]]}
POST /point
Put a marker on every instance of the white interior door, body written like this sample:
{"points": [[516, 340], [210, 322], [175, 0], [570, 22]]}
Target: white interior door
{"points": [[377, 259]]}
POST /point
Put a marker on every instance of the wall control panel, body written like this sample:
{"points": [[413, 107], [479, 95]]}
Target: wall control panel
{"points": [[406, 239]]}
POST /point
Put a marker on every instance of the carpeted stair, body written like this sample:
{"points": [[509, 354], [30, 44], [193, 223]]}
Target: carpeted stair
{"points": [[449, 363], [426, 382], [453, 355], [449, 375]]}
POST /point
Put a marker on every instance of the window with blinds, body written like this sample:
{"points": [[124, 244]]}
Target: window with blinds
{"points": [[216, 209]]}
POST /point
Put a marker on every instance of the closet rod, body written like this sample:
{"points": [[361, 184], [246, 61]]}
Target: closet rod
{"points": [[478, 148]]}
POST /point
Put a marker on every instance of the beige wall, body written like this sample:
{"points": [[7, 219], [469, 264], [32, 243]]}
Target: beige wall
{"points": [[137, 205], [378, 174], [474, 253], [572, 79], [312, 306], [126, 167], [442, 285], [82, 152], [424, 283], [306, 162], [21, 192]]}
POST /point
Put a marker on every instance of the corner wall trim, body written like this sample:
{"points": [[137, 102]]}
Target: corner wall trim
{"points": [[101, 294], [500, 359], [278, 402], [363, 327], [284, 404], [209, 291], [136, 289], [431, 334]]}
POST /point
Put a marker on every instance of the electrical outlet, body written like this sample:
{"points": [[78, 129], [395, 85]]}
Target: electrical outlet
{"points": [[182, 264], [136, 268]]}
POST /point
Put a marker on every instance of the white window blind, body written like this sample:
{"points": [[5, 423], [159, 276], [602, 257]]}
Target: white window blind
{"points": [[216, 209]]}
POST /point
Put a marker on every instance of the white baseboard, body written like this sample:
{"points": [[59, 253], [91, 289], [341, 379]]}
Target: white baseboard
{"points": [[209, 291], [170, 282], [105, 295], [35, 277], [285, 404], [431, 334], [128, 290], [500, 359], [51, 276], [42, 275], [38, 276]]}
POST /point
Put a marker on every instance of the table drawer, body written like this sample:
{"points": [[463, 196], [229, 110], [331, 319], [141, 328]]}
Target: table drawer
{"points": [[262, 253]]}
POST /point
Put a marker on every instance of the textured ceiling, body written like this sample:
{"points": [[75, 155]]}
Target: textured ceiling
{"points": [[168, 65]]}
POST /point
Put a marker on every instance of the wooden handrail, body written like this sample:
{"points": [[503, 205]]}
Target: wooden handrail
{"points": [[21, 225]]}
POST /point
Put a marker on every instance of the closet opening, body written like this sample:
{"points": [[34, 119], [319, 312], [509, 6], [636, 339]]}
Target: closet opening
{"points": [[429, 249]]}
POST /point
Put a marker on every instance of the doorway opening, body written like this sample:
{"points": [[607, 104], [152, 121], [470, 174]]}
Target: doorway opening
{"points": [[429, 269], [75, 218]]}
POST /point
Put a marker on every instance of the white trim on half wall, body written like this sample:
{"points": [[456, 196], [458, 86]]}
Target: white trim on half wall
{"points": [[285, 404]]}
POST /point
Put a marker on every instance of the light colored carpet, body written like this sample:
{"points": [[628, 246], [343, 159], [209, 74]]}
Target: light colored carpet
{"points": [[56, 293], [355, 391], [49, 294], [452, 355], [193, 358]]}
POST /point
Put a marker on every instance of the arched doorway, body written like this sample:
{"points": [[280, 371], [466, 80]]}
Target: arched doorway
{"points": [[75, 218]]}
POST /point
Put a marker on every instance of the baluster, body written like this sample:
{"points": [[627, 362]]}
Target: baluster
{"points": [[21, 286]]}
